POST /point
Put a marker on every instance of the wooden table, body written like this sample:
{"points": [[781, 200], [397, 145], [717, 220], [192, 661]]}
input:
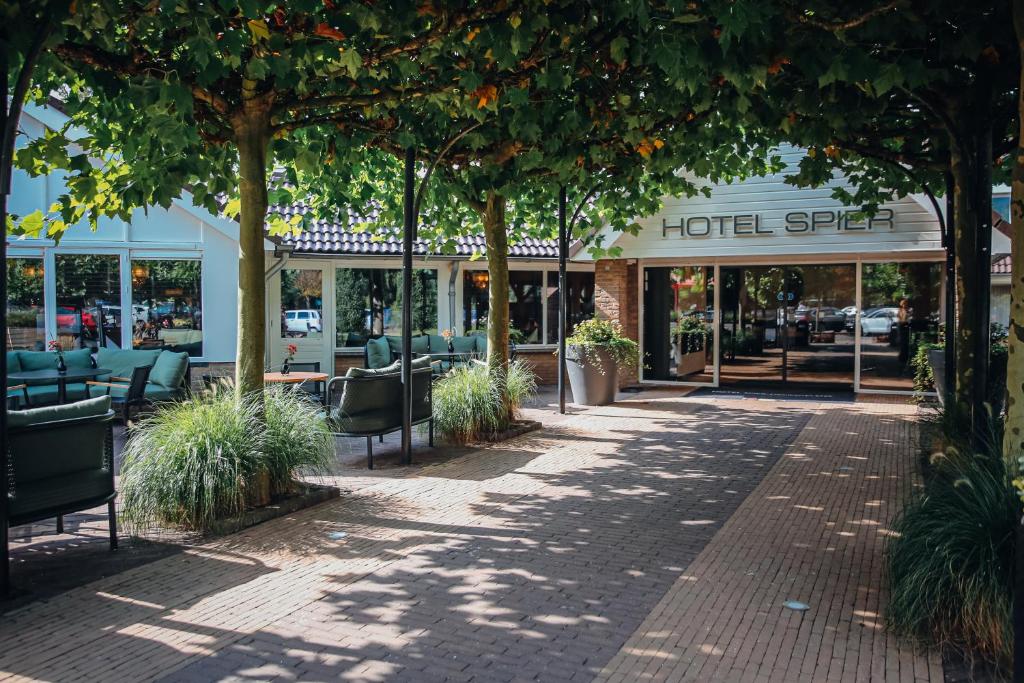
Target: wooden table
{"points": [[294, 377]]}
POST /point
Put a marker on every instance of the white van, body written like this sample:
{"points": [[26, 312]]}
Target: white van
{"points": [[300, 323]]}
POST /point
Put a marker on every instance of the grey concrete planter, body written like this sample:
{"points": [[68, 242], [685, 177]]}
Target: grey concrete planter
{"points": [[593, 384]]}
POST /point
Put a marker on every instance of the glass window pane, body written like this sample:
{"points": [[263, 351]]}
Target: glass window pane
{"points": [[525, 304], [167, 305], [88, 300], [369, 303], [26, 323], [302, 293], [678, 329], [579, 305], [901, 309]]}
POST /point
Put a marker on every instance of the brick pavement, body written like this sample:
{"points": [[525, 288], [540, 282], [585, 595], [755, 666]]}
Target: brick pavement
{"points": [[538, 558], [814, 531]]}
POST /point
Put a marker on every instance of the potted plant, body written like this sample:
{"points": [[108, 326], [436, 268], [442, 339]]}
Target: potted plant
{"points": [[691, 338], [595, 353], [287, 366], [58, 349]]}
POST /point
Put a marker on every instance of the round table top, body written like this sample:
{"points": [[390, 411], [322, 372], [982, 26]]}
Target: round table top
{"points": [[294, 377], [52, 373]]}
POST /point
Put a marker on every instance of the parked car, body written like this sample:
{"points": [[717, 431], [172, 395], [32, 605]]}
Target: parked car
{"points": [[299, 323], [878, 322], [826, 318]]}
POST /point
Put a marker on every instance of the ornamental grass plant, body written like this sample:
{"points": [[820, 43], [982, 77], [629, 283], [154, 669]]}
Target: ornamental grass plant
{"points": [[951, 565], [468, 403], [191, 463]]}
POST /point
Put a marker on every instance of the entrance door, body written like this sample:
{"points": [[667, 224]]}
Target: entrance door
{"points": [[787, 324], [304, 319]]}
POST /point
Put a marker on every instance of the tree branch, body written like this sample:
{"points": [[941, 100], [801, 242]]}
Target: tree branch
{"points": [[846, 25]]}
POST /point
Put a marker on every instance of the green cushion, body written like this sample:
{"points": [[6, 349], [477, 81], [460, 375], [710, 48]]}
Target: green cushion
{"points": [[169, 369], [464, 344], [121, 362], [78, 359], [481, 344], [37, 360], [368, 422], [13, 361], [60, 490], [42, 394], [68, 411], [394, 342], [421, 344], [437, 343], [385, 393], [370, 372], [153, 392], [378, 353]]}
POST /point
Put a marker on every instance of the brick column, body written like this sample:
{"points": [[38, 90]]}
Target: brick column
{"points": [[615, 298]]}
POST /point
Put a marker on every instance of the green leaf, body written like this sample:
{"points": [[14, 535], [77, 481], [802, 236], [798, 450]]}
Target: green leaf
{"points": [[352, 62], [32, 224], [618, 49], [259, 29]]}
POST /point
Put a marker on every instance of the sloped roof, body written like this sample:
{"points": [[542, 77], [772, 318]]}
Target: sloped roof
{"points": [[325, 237], [1001, 265]]}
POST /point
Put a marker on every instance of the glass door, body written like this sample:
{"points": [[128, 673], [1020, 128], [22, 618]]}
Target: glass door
{"points": [[303, 327], [679, 334], [753, 321]]}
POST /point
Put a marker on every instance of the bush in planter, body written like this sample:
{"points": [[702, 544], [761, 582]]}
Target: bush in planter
{"points": [[951, 565], [468, 405], [595, 335], [197, 461]]}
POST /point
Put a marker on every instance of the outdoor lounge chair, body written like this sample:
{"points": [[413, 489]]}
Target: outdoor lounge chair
{"points": [[60, 460], [126, 396], [369, 402]]}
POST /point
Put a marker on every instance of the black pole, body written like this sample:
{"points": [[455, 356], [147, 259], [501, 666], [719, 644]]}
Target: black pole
{"points": [[950, 342], [408, 235], [563, 247], [5, 189]]}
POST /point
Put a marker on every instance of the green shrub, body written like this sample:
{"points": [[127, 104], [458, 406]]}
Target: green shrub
{"points": [[596, 334], [297, 438], [468, 404], [951, 566], [191, 463]]}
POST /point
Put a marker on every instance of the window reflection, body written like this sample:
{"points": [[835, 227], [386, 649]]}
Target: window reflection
{"points": [[26, 325], [88, 300], [678, 330], [368, 303], [167, 305], [524, 304]]}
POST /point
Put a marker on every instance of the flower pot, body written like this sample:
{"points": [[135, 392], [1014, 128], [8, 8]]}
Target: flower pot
{"points": [[593, 376], [690, 363]]}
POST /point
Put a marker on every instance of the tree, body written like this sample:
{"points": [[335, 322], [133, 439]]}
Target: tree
{"points": [[209, 95], [898, 97]]}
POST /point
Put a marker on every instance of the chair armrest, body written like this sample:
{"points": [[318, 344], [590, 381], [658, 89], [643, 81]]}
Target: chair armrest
{"points": [[106, 384], [121, 379], [17, 387]]}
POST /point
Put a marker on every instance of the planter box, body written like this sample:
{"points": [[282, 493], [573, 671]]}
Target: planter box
{"points": [[824, 337], [592, 384], [690, 363]]}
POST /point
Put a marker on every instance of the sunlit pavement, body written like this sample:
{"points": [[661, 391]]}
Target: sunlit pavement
{"points": [[654, 539]]}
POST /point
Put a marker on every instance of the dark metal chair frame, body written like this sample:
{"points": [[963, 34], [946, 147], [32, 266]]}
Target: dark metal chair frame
{"points": [[136, 390], [341, 381], [58, 511]]}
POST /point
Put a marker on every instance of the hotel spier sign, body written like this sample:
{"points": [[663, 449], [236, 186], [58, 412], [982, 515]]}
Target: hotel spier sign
{"points": [[794, 222]]}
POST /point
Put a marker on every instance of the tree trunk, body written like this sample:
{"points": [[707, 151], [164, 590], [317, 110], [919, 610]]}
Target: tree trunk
{"points": [[496, 240], [1013, 436], [252, 135], [965, 227]]}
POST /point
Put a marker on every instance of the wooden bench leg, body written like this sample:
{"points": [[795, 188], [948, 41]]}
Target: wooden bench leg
{"points": [[369, 452], [60, 524], [112, 521]]}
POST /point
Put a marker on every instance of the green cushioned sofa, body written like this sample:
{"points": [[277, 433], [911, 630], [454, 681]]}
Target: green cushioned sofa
{"points": [[368, 402], [383, 351], [60, 460], [169, 378]]}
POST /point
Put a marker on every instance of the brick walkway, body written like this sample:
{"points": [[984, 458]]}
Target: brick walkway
{"points": [[619, 542]]}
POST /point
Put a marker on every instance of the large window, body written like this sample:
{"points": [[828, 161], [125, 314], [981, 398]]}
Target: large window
{"points": [[167, 305], [302, 293], [901, 310], [579, 301], [26, 325], [368, 303], [88, 300], [524, 304]]}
